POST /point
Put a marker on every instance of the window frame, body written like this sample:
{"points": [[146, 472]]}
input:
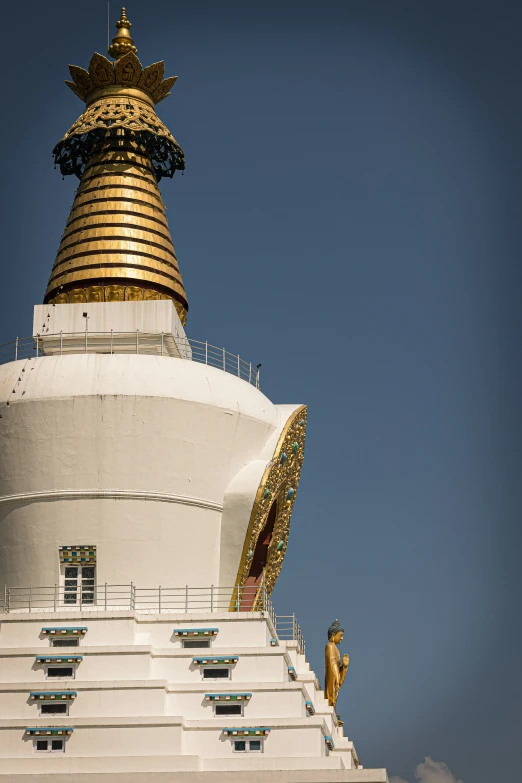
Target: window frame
{"points": [[195, 643], [51, 702], [71, 666], [79, 591], [49, 748], [72, 641], [233, 703], [247, 742], [226, 666]]}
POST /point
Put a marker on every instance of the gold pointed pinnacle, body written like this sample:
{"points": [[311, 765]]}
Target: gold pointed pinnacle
{"points": [[122, 42]]}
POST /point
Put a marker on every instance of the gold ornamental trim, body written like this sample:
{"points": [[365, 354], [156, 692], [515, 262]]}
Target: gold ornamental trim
{"points": [[116, 112], [279, 485]]}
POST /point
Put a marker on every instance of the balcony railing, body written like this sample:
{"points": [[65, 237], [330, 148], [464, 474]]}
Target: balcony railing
{"points": [[143, 343], [150, 600]]}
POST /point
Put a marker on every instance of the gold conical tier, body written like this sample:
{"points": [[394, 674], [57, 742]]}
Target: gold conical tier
{"points": [[117, 244]]}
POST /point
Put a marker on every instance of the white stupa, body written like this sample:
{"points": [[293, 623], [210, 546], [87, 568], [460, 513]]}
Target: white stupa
{"points": [[146, 488]]}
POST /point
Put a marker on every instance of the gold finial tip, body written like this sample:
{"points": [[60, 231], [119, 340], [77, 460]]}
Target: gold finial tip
{"points": [[122, 43], [124, 22]]}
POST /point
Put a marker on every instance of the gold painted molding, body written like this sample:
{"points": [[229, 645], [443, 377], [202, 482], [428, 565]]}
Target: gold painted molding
{"points": [[279, 483]]}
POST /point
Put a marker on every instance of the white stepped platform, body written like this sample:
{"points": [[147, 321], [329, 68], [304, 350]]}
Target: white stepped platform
{"points": [[141, 708]]}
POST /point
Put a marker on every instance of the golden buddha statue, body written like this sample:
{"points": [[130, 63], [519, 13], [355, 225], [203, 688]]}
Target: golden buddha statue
{"points": [[335, 669]]}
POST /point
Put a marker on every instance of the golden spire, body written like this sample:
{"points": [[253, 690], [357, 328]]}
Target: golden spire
{"points": [[122, 42], [117, 244]]}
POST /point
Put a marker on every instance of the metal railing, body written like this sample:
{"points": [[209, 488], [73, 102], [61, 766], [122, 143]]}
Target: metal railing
{"points": [[143, 343], [150, 600], [287, 628]]}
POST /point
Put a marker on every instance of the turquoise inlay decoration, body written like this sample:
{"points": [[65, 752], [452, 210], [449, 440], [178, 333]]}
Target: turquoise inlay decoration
{"points": [[295, 448], [292, 673], [301, 422], [59, 658], [210, 660], [49, 732], [310, 708], [329, 742], [228, 696], [78, 554], [283, 458], [280, 546], [266, 493], [258, 731], [53, 695], [290, 494], [79, 631], [196, 631], [249, 554]]}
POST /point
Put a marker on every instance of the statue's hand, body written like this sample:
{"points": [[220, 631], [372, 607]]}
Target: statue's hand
{"points": [[346, 660]]}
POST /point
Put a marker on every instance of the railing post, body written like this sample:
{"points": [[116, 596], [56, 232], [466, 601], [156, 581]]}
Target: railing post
{"points": [[186, 599], [238, 367], [86, 336], [137, 341], [5, 598], [206, 352], [105, 596], [162, 342], [211, 598], [55, 596], [159, 599], [132, 597], [224, 360], [30, 597], [61, 342], [111, 342], [294, 629], [250, 373], [16, 349], [8, 600], [37, 346]]}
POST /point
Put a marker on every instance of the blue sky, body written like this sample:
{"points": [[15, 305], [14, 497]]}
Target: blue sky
{"points": [[349, 217]]}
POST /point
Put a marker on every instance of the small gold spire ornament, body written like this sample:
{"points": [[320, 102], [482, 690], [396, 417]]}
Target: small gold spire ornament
{"points": [[335, 669], [122, 42]]}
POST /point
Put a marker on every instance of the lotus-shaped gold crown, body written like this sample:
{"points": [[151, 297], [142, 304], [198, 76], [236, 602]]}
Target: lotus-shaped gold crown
{"points": [[127, 71]]}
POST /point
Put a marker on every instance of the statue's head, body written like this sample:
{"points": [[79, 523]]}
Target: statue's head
{"points": [[335, 632]]}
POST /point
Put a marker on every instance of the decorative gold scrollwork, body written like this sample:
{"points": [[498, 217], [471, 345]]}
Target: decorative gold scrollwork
{"points": [[279, 483]]}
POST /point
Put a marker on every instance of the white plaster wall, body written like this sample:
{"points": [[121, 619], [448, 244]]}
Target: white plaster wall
{"points": [[152, 317], [126, 740], [174, 430], [101, 630], [299, 742], [96, 702], [254, 667], [236, 630], [22, 667], [263, 704]]}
